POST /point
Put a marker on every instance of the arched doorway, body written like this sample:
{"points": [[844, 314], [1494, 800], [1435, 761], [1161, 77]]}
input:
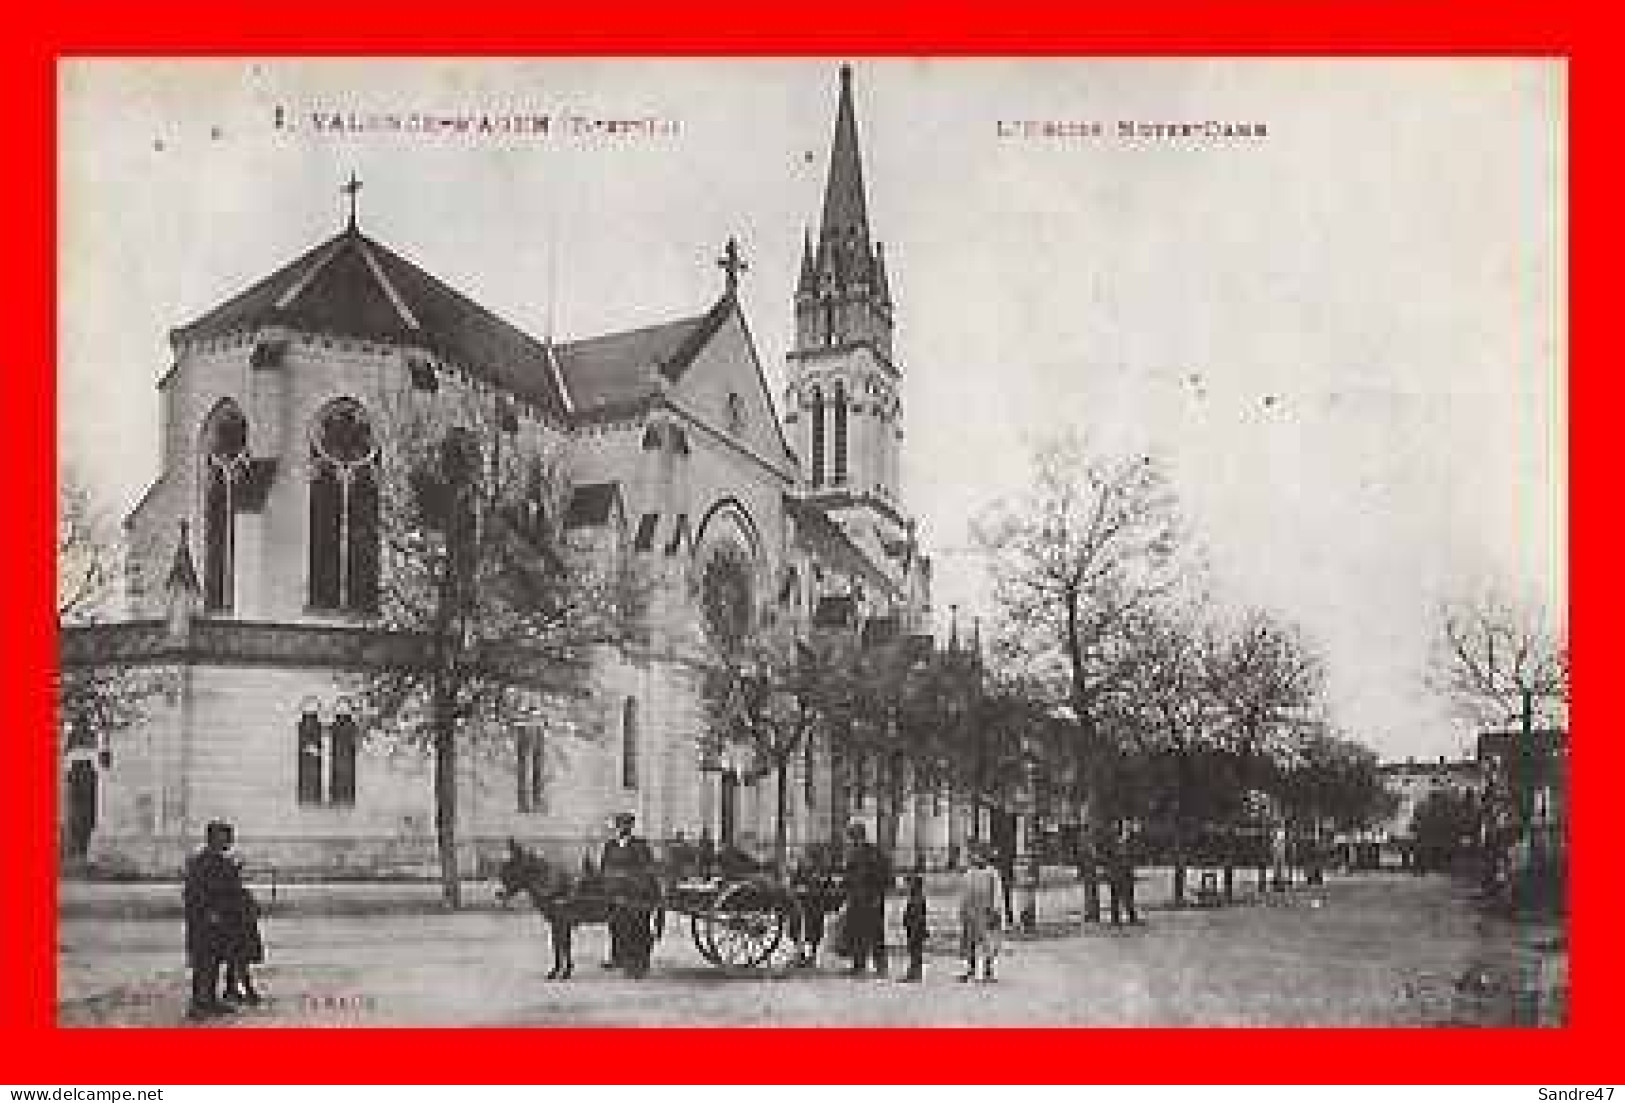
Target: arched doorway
{"points": [[81, 808]]}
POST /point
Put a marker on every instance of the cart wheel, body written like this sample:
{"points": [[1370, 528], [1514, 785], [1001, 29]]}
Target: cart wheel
{"points": [[788, 953], [743, 929], [700, 927]]}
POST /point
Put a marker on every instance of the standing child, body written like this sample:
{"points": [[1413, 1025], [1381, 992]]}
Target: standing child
{"points": [[914, 928], [981, 898]]}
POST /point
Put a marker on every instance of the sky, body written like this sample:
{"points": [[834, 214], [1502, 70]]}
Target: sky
{"points": [[1346, 337]]}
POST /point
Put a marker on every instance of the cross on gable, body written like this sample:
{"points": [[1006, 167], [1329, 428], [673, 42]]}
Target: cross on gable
{"points": [[350, 189], [732, 263]]}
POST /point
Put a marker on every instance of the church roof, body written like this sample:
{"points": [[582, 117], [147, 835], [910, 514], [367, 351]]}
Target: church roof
{"points": [[828, 542], [623, 367], [354, 286]]}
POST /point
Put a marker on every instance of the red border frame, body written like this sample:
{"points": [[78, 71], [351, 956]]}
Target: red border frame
{"points": [[832, 27]]}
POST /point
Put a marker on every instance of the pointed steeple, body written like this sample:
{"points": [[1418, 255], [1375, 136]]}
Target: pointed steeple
{"points": [[843, 337], [846, 215]]}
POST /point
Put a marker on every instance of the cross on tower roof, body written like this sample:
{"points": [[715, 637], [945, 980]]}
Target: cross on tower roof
{"points": [[350, 189], [732, 263]]}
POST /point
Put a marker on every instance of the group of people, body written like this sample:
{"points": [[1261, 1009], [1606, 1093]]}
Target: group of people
{"points": [[222, 927], [222, 916], [861, 920], [864, 876], [983, 897]]}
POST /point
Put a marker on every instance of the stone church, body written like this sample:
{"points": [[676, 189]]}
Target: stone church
{"points": [[253, 572]]}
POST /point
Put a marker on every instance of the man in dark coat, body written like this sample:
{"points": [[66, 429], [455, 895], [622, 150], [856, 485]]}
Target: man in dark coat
{"points": [[1120, 878], [1004, 860], [629, 878], [812, 883], [868, 877], [216, 911]]}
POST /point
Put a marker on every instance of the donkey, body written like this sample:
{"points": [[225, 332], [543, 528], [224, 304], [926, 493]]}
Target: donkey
{"points": [[565, 900]]}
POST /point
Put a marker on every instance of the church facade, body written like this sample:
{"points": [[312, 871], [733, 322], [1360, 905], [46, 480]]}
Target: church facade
{"points": [[254, 569]]}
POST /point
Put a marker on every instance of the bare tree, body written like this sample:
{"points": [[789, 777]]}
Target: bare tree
{"points": [[1267, 685], [92, 701], [85, 553], [760, 687], [1179, 714], [1502, 665], [1498, 663], [1090, 546], [495, 606]]}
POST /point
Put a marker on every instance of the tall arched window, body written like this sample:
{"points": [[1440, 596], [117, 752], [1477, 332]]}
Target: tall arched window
{"points": [[840, 435], [727, 597], [309, 750], [225, 460], [343, 510], [341, 766], [531, 753], [817, 437], [629, 744]]}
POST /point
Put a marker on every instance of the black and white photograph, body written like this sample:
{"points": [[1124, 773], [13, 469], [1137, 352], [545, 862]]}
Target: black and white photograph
{"points": [[839, 542]]}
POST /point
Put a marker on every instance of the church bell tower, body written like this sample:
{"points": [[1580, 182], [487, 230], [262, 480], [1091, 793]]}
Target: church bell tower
{"points": [[845, 411]]}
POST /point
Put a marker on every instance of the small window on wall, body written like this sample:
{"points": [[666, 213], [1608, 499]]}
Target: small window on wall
{"points": [[325, 766], [629, 744], [309, 766], [529, 769], [817, 437], [341, 765], [840, 435]]}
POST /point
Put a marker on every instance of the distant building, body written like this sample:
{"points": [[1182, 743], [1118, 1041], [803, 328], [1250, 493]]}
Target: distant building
{"points": [[1412, 782]]}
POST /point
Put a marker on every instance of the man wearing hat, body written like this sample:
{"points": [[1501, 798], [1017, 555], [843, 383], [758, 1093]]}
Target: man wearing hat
{"points": [[215, 905], [1120, 877], [628, 870]]}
